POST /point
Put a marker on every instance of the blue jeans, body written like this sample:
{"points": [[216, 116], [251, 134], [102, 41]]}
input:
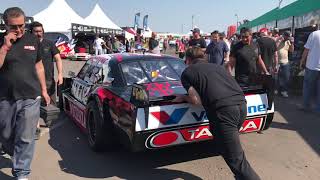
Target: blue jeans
{"points": [[311, 88], [18, 123], [284, 77]]}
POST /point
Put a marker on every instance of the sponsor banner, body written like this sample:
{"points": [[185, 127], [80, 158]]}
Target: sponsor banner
{"points": [[145, 22], [136, 21], [184, 114]]}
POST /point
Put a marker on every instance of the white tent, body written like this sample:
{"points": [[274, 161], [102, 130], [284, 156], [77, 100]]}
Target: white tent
{"points": [[58, 16], [98, 18]]}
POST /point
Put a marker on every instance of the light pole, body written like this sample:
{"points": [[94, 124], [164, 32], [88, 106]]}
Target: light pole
{"points": [[280, 2], [236, 15], [192, 21]]}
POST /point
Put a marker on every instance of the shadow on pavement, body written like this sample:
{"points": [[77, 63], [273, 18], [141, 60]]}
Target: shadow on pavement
{"points": [[78, 159], [4, 163], [305, 123]]}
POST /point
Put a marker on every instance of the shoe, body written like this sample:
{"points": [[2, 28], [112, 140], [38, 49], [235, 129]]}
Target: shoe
{"points": [[284, 94], [275, 92], [22, 178], [38, 134]]}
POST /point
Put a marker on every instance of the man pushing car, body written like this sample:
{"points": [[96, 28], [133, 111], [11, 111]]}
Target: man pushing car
{"points": [[211, 86]]}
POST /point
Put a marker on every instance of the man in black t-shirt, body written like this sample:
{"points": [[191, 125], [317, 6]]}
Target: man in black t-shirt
{"points": [[197, 40], [211, 86], [22, 82], [268, 48], [245, 56], [49, 53]]}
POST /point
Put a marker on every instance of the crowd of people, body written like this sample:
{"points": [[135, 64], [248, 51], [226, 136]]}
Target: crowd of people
{"points": [[26, 74]]}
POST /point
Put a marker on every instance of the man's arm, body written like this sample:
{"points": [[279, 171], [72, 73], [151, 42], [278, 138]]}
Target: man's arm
{"points": [[59, 68], [6, 47], [3, 53], [231, 64], [192, 97], [291, 47], [42, 79], [262, 65], [304, 58]]}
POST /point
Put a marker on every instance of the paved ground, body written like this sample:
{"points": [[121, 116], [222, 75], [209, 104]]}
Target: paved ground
{"points": [[290, 149]]}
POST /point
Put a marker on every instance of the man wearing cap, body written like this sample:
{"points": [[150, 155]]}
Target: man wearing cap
{"points": [[268, 48], [197, 40], [285, 45]]}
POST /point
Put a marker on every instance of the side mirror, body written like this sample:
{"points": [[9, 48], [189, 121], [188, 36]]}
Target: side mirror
{"points": [[71, 74]]}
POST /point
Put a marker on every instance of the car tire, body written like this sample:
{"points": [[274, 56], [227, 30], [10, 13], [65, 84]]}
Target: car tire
{"points": [[99, 129]]}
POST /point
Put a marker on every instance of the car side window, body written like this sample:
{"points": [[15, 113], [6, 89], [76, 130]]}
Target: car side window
{"points": [[133, 73]]}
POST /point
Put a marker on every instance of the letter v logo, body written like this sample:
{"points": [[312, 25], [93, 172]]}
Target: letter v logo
{"points": [[167, 119]]}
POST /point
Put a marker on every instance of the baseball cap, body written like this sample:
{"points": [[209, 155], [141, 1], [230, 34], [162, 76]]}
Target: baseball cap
{"points": [[196, 30], [263, 30]]}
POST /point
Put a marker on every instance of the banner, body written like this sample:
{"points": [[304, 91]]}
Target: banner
{"points": [[136, 21], [145, 22]]}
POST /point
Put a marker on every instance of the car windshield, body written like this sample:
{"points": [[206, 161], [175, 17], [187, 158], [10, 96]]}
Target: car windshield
{"points": [[152, 71]]}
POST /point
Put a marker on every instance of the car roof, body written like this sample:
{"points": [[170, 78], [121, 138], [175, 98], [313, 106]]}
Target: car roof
{"points": [[124, 57]]}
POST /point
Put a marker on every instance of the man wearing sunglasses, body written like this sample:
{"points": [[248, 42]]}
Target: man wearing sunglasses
{"points": [[22, 82], [245, 56]]}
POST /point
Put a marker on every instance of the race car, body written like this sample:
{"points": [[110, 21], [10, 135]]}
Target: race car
{"points": [[126, 98]]}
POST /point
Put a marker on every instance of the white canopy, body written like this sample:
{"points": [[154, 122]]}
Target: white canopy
{"points": [[58, 16], [98, 18]]}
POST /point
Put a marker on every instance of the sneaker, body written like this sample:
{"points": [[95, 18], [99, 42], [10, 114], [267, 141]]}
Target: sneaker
{"points": [[38, 134], [284, 94], [24, 178]]}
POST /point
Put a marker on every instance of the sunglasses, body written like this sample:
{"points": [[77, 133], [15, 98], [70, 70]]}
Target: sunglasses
{"points": [[15, 27]]}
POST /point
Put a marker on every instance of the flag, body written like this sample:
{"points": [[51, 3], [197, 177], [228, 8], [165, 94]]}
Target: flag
{"points": [[136, 21], [145, 22]]}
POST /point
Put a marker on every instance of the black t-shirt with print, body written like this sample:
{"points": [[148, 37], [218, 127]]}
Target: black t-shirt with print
{"points": [[246, 60], [215, 86], [49, 50], [268, 48], [198, 43], [18, 76]]}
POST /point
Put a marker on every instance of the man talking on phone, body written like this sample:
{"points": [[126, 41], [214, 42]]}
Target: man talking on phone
{"points": [[22, 80]]}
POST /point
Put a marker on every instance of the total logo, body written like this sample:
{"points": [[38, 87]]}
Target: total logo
{"points": [[193, 134]]}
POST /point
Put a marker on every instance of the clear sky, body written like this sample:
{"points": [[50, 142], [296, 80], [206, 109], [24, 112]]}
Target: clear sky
{"points": [[164, 15]]}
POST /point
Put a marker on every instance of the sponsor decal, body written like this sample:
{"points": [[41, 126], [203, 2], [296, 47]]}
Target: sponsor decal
{"points": [[159, 89], [195, 134], [167, 119], [257, 108], [31, 48], [181, 136], [251, 125], [77, 114], [201, 117]]}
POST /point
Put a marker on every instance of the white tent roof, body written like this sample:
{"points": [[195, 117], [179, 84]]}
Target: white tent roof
{"points": [[98, 18], [57, 17]]}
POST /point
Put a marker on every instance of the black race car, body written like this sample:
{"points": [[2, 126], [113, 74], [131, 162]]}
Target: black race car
{"points": [[126, 98]]}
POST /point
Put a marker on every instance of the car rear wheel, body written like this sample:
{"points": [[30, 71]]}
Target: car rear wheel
{"points": [[100, 131]]}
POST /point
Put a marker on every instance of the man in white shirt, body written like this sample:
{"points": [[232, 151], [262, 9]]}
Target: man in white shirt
{"points": [[311, 62], [98, 45]]}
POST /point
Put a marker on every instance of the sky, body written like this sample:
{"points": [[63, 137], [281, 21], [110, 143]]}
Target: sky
{"points": [[164, 15]]}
